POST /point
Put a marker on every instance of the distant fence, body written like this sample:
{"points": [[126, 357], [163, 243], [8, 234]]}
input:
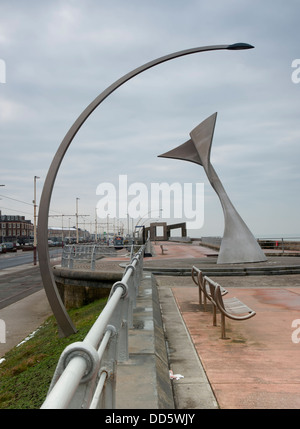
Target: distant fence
{"points": [[85, 376], [281, 245]]}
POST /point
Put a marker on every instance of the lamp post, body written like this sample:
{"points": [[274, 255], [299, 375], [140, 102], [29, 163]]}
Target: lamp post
{"points": [[137, 234], [64, 322], [96, 227], [1, 229], [77, 235], [146, 214], [34, 221], [0, 215], [107, 228]]}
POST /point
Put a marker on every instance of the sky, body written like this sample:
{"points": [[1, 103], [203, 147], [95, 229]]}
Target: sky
{"points": [[57, 56]]}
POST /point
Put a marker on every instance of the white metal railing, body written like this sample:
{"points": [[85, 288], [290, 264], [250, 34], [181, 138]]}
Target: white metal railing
{"points": [[74, 255], [276, 245], [280, 245], [85, 375]]}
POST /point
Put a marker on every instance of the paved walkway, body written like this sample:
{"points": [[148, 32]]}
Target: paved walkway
{"points": [[257, 366]]}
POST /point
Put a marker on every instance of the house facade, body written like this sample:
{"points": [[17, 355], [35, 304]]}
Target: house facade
{"points": [[15, 228]]}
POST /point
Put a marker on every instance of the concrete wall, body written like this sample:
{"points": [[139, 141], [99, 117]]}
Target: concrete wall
{"points": [[79, 287]]}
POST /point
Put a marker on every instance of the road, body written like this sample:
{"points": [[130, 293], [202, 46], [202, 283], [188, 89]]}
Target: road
{"points": [[25, 279], [14, 259]]}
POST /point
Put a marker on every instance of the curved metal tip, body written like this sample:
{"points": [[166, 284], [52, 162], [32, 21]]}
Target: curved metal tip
{"points": [[237, 46]]}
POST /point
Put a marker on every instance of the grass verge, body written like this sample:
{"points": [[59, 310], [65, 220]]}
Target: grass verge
{"points": [[26, 372]]}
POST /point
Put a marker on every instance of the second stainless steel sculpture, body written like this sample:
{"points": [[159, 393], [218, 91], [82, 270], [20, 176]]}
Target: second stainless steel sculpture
{"points": [[238, 243]]}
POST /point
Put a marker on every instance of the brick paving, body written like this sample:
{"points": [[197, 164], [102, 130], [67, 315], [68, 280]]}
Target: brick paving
{"points": [[257, 366]]}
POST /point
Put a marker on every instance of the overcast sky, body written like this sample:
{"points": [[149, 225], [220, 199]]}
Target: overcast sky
{"points": [[59, 55]]}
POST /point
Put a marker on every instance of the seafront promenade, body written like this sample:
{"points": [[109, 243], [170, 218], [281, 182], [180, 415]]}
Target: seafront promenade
{"points": [[256, 367]]}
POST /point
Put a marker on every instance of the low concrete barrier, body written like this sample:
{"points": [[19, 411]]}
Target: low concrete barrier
{"points": [[80, 287]]}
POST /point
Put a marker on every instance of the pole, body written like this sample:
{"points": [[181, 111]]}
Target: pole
{"points": [[77, 235], [34, 221]]}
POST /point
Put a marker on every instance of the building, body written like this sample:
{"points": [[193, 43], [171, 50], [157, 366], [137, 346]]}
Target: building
{"points": [[58, 234], [15, 228]]}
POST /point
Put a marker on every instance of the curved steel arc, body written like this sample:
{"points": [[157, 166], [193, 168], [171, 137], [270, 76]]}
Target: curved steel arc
{"points": [[64, 322]]}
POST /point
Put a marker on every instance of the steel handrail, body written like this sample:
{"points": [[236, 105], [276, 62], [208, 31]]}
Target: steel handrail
{"points": [[85, 368]]}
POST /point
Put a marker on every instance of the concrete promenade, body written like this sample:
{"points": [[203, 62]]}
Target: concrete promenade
{"points": [[256, 367]]}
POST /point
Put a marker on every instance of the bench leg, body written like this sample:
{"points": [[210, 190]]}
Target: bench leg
{"points": [[214, 308], [202, 299], [223, 333], [200, 296]]}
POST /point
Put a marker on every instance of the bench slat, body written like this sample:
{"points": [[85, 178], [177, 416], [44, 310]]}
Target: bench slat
{"points": [[232, 308], [236, 306], [237, 309]]}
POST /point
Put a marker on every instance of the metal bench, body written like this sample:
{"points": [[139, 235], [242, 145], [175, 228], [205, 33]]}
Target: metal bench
{"points": [[232, 308], [204, 290]]}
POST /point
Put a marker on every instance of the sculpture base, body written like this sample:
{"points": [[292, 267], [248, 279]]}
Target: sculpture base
{"points": [[237, 251]]}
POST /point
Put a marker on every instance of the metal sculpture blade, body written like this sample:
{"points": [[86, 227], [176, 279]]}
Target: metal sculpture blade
{"points": [[238, 243]]}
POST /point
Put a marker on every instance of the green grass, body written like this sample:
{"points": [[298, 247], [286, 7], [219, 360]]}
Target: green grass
{"points": [[26, 373]]}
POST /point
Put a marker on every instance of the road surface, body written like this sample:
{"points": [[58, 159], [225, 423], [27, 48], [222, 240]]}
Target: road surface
{"points": [[25, 279], [14, 259]]}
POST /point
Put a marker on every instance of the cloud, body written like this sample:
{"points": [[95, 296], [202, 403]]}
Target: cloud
{"points": [[60, 55]]}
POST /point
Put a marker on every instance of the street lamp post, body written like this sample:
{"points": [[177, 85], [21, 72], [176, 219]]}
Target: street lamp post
{"points": [[1, 230], [77, 235], [107, 228], [64, 322], [34, 222]]}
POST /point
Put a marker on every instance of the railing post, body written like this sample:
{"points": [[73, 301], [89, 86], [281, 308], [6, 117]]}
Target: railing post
{"points": [[119, 319], [108, 365], [131, 283], [93, 258], [72, 256]]}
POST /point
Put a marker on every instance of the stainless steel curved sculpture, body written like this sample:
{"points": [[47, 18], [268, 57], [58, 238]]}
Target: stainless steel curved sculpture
{"points": [[64, 322], [238, 243]]}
